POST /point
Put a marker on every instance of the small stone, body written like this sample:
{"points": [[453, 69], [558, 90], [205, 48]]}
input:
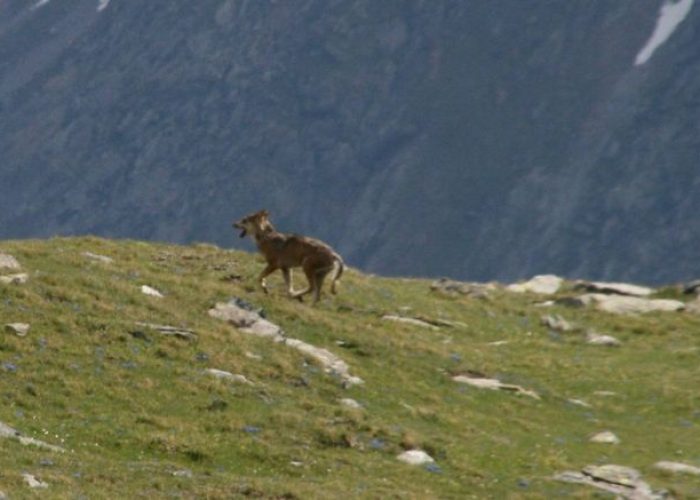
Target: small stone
{"points": [[34, 482], [594, 338], [14, 279], [97, 257], [677, 467], [7, 261], [183, 473], [410, 321], [152, 292], [233, 377], [557, 323], [605, 437], [579, 402], [605, 394], [19, 329], [494, 384], [351, 403], [415, 457]]}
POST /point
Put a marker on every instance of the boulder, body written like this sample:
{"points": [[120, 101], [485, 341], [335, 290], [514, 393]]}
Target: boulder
{"points": [[544, 284], [614, 288], [619, 304]]}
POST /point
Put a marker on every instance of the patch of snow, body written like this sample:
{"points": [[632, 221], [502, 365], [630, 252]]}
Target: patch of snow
{"points": [[670, 16], [40, 3], [101, 5]]}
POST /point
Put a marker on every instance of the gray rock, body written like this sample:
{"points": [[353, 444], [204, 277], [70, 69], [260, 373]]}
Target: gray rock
{"points": [[14, 279], [557, 323], [677, 467], [618, 304], [7, 261], [614, 288], [19, 329], [544, 284]]}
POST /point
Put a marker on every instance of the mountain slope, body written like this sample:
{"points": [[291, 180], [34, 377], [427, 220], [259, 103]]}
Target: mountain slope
{"points": [[478, 140], [138, 414]]}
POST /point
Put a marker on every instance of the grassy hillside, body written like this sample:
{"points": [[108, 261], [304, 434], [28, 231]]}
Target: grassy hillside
{"points": [[140, 417]]}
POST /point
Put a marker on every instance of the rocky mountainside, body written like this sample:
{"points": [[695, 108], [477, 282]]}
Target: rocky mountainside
{"points": [[480, 140], [140, 370]]}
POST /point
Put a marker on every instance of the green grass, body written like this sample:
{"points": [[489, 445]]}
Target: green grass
{"points": [[133, 407]]}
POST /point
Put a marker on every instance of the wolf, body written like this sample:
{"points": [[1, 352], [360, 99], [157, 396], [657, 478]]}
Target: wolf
{"points": [[285, 251]]}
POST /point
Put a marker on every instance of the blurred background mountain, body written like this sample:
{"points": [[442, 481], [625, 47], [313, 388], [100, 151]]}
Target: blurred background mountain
{"points": [[481, 139]]}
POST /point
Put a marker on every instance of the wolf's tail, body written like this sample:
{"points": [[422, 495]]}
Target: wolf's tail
{"points": [[338, 272]]}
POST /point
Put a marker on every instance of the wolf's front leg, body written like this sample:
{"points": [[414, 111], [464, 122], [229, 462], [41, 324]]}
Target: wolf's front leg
{"points": [[269, 269]]}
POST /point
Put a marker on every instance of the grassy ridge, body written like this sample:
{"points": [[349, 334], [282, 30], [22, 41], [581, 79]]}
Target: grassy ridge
{"points": [[141, 418]]}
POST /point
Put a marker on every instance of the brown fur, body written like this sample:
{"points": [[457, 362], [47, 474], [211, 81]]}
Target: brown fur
{"points": [[286, 251]]}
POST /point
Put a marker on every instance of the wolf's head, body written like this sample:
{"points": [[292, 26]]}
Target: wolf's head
{"points": [[253, 224]]}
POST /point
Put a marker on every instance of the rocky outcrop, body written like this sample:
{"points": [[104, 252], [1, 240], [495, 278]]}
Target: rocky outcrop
{"points": [[620, 480], [251, 322]]}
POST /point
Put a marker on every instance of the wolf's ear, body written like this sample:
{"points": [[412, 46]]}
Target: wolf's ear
{"points": [[264, 213]]}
